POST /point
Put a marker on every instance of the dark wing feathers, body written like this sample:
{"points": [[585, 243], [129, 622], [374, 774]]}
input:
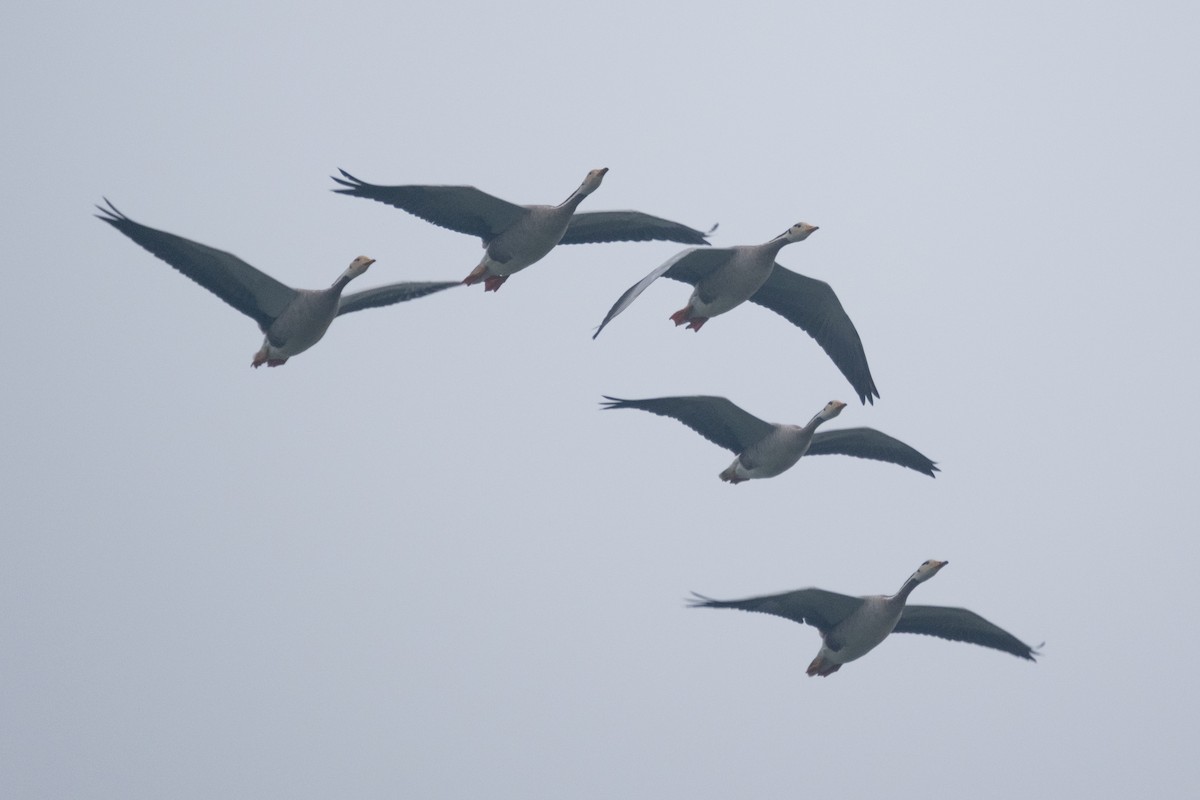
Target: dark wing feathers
{"points": [[815, 607], [805, 302], [812, 305], [693, 266], [460, 208], [251, 291], [714, 418], [627, 226], [961, 625], [688, 266], [391, 293], [870, 443]]}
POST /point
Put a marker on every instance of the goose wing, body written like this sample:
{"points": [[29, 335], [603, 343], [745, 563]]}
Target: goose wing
{"points": [[251, 291], [627, 226], [391, 293], [460, 208], [714, 418], [689, 266], [812, 306], [961, 625], [870, 443], [817, 607]]}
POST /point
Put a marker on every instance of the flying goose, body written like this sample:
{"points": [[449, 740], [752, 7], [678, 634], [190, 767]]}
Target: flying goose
{"points": [[726, 277], [765, 449], [292, 319], [852, 626], [516, 236]]}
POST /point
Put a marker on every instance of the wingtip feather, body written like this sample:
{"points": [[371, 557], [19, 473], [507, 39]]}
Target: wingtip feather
{"points": [[347, 180], [110, 214]]}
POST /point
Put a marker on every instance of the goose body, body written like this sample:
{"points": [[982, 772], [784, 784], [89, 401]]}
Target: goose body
{"points": [[780, 449], [726, 277], [530, 238], [735, 280], [851, 627], [516, 236], [857, 635], [292, 320], [306, 319], [766, 449]]}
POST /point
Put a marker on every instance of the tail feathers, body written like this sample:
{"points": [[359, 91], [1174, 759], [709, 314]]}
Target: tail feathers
{"points": [[821, 667], [730, 474]]}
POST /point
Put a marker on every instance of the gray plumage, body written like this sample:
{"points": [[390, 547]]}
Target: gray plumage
{"points": [[516, 236], [766, 449], [726, 277], [850, 627], [292, 320]]}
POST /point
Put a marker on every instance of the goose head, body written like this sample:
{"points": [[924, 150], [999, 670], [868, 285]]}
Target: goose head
{"points": [[592, 182], [927, 570], [831, 409], [357, 267], [797, 233]]}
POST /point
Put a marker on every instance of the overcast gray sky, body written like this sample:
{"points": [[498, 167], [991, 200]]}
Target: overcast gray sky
{"points": [[419, 561]]}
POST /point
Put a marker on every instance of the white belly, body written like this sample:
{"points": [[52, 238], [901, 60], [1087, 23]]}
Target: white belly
{"points": [[862, 632], [526, 242], [733, 284], [776, 453]]}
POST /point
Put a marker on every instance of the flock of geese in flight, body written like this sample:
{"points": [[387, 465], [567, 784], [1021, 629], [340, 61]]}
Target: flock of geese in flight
{"points": [[722, 279]]}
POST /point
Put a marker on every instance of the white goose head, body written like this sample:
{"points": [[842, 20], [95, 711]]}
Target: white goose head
{"points": [[831, 409], [357, 267], [797, 233], [592, 182], [927, 570]]}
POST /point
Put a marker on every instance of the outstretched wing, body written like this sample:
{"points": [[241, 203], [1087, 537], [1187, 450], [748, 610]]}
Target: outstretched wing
{"points": [[813, 306], [815, 607], [391, 293], [252, 292], [460, 208], [870, 443], [689, 266], [714, 418], [628, 226], [961, 625]]}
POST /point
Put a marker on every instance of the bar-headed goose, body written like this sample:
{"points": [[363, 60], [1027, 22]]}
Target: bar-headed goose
{"points": [[851, 627], [516, 236], [292, 319], [726, 277], [766, 449]]}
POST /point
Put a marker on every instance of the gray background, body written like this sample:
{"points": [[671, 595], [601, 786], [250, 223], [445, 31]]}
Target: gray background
{"points": [[418, 561]]}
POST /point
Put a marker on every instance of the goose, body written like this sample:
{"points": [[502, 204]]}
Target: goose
{"points": [[516, 236], [765, 449], [851, 627], [726, 277], [292, 320]]}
